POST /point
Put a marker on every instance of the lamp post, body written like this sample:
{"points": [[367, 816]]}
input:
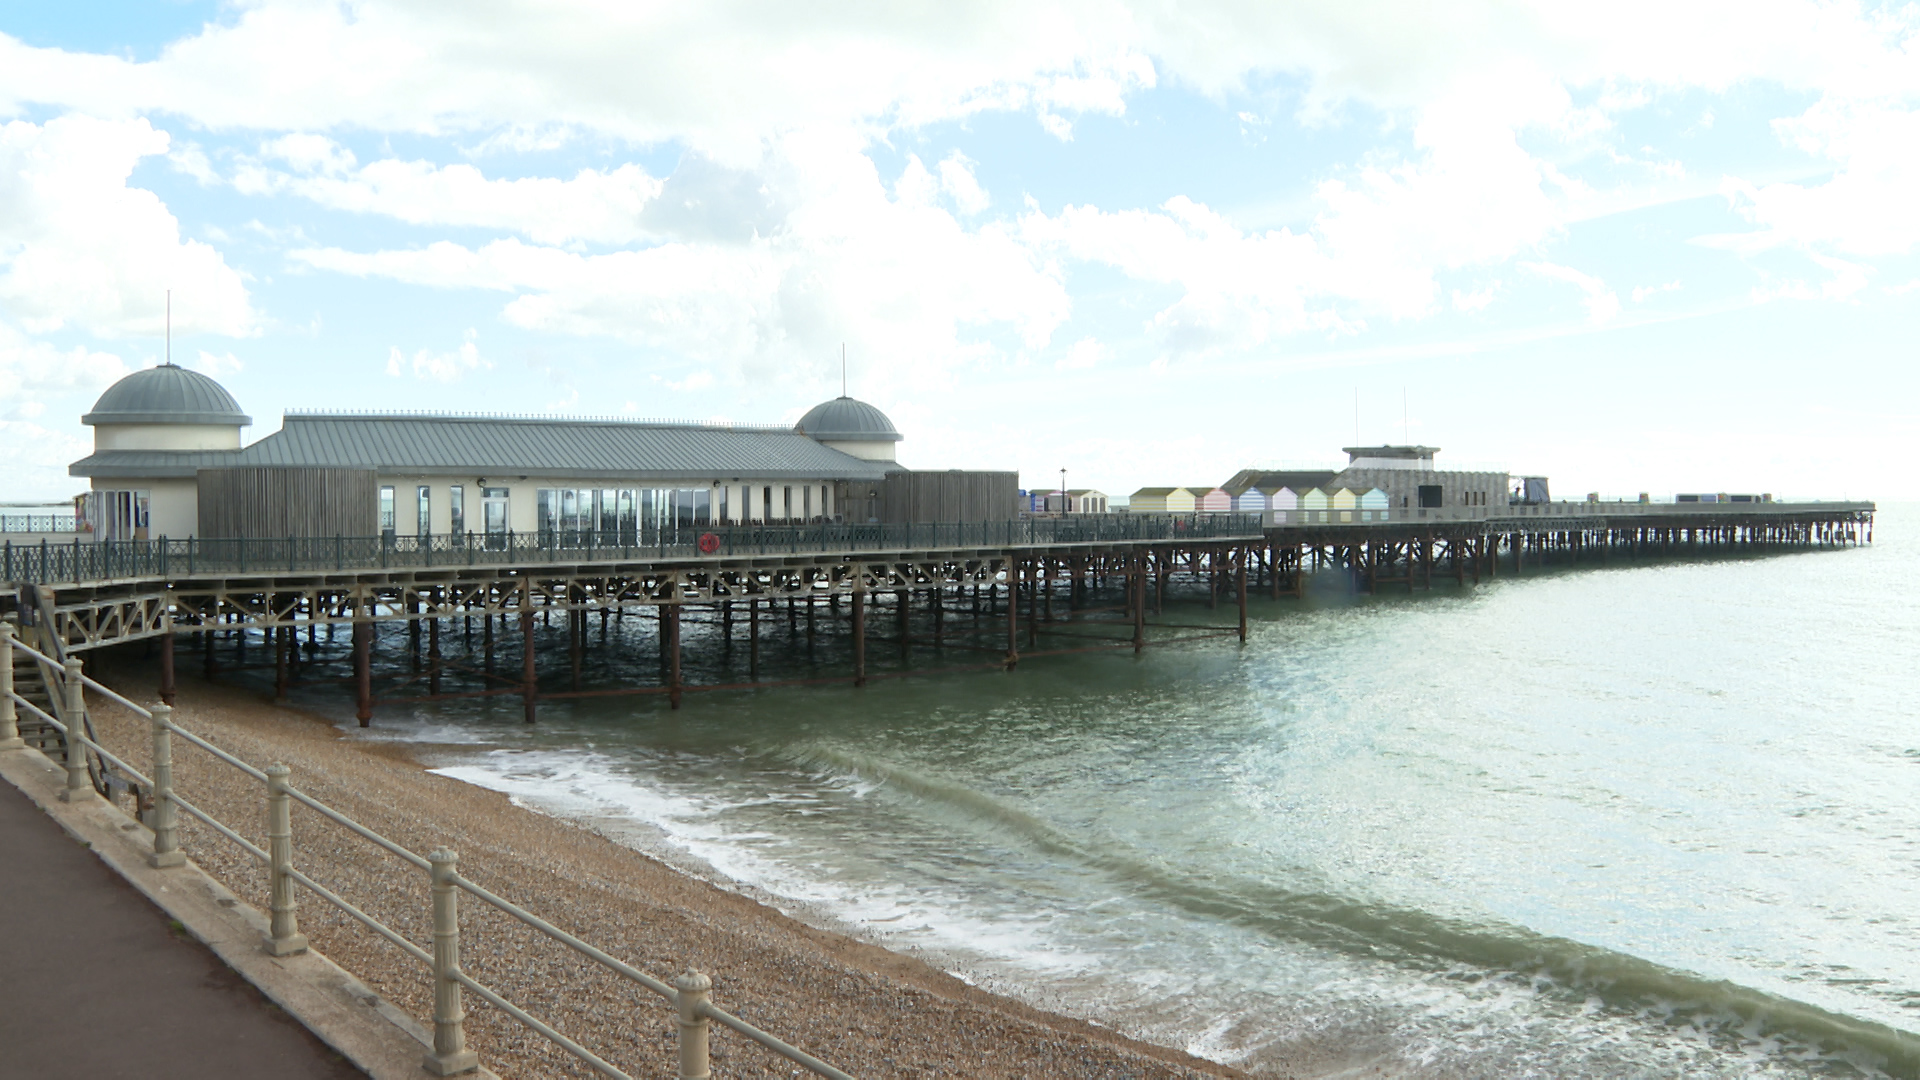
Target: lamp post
{"points": [[1066, 501]]}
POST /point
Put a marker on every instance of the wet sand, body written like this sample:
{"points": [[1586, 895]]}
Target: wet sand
{"points": [[871, 1012]]}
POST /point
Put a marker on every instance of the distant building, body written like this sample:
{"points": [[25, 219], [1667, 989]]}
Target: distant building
{"points": [[1408, 477]]}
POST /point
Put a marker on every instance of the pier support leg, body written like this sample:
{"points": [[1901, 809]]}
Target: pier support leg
{"points": [[1033, 606], [433, 656], [939, 616], [363, 672], [488, 642], [1240, 586], [1013, 614], [281, 646], [859, 637], [576, 639], [1137, 592], [529, 666], [753, 640], [673, 656], [900, 601]]}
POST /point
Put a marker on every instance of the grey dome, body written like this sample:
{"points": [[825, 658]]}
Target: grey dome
{"points": [[166, 394], [845, 420]]}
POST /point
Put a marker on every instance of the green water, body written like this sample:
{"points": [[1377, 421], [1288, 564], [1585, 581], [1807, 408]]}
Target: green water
{"points": [[1655, 820]]}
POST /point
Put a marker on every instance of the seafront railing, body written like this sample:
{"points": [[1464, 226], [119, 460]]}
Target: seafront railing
{"points": [[78, 561], [690, 993]]}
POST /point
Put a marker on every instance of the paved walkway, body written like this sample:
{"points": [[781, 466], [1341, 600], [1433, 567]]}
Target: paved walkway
{"points": [[95, 983]]}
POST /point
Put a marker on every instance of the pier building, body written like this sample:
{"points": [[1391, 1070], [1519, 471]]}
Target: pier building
{"points": [[168, 461]]}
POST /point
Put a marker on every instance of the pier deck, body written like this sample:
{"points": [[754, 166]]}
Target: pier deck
{"points": [[1003, 576]]}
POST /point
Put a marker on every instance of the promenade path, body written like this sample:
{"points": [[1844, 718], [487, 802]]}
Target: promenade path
{"points": [[95, 983]]}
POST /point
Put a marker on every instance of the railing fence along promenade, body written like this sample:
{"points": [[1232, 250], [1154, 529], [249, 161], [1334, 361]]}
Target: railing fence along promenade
{"points": [[79, 561], [689, 993]]}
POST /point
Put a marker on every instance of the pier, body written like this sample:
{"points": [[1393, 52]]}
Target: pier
{"points": [[479, 613]]}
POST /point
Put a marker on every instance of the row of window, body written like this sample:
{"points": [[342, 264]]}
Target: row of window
{"points": [[493, 510], [608, 510]]}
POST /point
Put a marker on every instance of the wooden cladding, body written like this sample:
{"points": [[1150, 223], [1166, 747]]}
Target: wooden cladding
{"points": [[950, 495], [278, 502]]}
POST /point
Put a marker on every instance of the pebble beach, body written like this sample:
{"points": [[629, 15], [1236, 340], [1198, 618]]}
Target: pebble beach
{"points": [[866, 1010]]}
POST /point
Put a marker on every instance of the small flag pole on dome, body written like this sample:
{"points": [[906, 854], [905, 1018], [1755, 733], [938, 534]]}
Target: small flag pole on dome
{"points": [[843, 369], [169, 327]]}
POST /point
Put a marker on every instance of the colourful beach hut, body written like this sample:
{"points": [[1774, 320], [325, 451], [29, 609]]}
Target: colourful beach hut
{"points": [[1161, 500], [1284, 501], [1313, 505], [1373, 506], [1214, 501], [1343, 503], [1250, 501]]}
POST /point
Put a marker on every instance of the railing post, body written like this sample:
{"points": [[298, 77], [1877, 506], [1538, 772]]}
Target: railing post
{"points": [[283, 937], [79, 788], [9, 717], [450, 1054], [166, 842], [690, 993]]}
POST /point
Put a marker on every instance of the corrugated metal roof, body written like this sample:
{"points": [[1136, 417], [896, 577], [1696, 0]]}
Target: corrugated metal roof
{"points": [[166, 394], [558, 449]]}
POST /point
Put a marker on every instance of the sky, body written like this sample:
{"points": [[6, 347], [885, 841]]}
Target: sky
{"points": [[1634, 247]]}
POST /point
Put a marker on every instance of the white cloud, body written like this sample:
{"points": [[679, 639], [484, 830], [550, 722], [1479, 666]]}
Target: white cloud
{"points": [[1868, 206], [594, 206], [1847, 281], [31, 371], [1601, 303], [1640, 293], [213, 366], [1476, 300], [958, 181], [79, 247], [441, 367], [894, 275], [1083, 355]]}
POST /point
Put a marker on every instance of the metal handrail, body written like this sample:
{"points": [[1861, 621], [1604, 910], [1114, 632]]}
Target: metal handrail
{"points": [[449, 1038], [76, 561]]}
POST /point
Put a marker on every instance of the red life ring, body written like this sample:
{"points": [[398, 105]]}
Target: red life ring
{"points": [[709, 543]]}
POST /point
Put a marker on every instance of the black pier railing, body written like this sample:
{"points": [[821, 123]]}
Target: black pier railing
{"points": [[81, 561]]}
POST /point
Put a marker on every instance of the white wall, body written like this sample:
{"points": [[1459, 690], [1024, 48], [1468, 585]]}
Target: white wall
{"points": [[166, 437], [865, 451]]}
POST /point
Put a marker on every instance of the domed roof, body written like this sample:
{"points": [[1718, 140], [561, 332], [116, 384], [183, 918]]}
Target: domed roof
{"points": [[167, 394], [845, 420]]}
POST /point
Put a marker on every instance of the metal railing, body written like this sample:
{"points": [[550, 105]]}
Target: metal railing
{"points": [[39, 523], [81, 561], [1357, 515], [689, 993]]}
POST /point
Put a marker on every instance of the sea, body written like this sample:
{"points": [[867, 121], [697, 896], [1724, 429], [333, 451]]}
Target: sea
{"points": [[1646, 819]]}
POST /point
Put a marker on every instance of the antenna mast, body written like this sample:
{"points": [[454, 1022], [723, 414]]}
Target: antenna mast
{"points": [[169, 327], [843, 369]]}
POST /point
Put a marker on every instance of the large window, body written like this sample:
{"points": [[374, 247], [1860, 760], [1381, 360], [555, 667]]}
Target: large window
{"points": [[386, 510], [423, 497], [115, 515], [494, 507], [457, 510], [608, 516]]}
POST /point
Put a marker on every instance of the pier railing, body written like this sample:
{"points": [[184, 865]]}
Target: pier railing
{"points": [[1524, 514], [689, 994], [38, 523], [81, 561]]}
